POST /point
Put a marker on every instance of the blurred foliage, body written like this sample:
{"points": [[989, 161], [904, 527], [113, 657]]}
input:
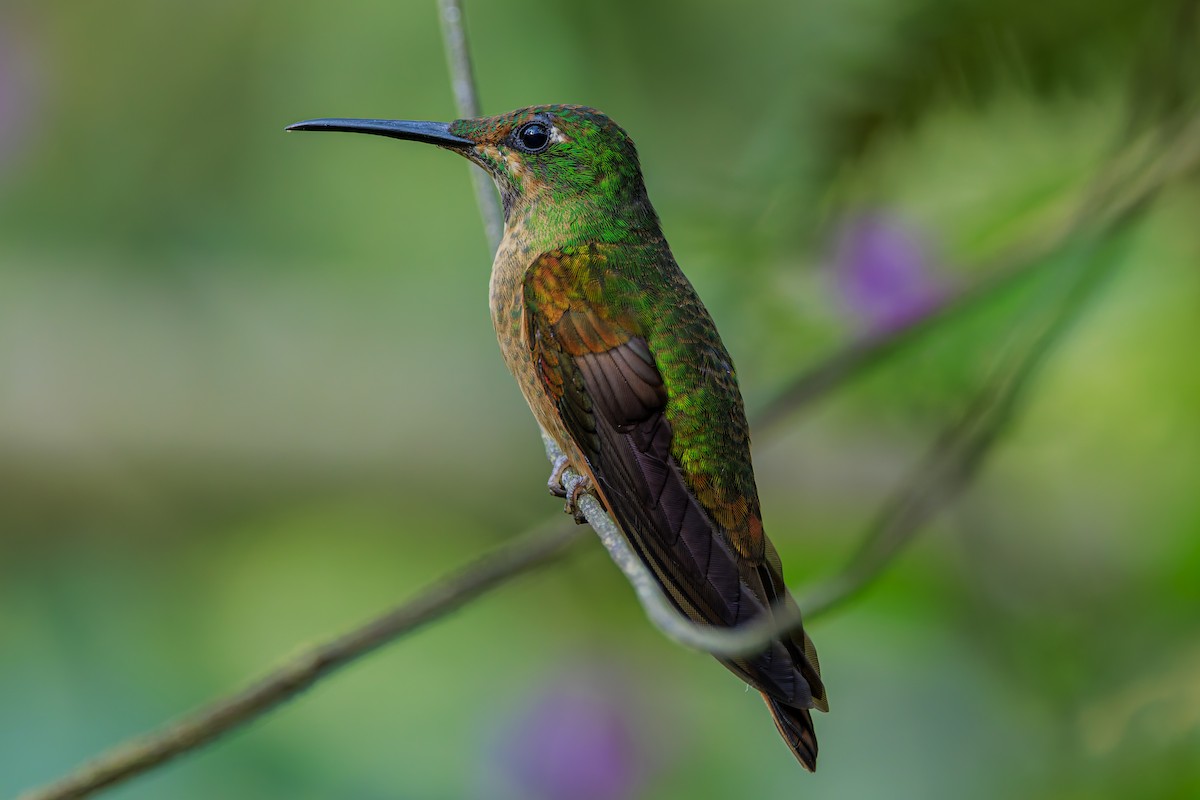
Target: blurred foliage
{"points": [[249, 396]]}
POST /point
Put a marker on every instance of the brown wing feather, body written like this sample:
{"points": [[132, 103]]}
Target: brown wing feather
{"points": [[601, 374]]}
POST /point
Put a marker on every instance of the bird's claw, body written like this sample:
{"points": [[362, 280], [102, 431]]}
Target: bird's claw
{"points": [[578, 488], [568, 490]]}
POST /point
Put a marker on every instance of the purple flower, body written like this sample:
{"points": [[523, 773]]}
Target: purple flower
{"points": [[884, 272], [573, 740]]}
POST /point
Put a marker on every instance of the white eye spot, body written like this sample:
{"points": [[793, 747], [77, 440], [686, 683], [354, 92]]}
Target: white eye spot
{"points": [[556, 135]]}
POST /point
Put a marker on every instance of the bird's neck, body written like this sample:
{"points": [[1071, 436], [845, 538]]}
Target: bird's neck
{"points": [[541, 222]]}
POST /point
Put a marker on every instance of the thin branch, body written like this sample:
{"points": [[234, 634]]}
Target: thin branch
{"points": [[742, 640], [466, 99], [541, 546], [1100, 203], [958, 453], [855, 358], [1119, 195], [1146, 159]]}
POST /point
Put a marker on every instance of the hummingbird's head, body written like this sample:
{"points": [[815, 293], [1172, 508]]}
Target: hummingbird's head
{"points": [[557, 153], [571, 156]]}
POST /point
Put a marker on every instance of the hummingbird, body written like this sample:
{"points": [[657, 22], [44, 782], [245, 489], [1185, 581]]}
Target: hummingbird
{"points": [[622, 366]]}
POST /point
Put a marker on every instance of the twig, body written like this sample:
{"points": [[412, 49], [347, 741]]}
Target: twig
{"points": [[466, 99], [1097, 205], [1130, 179], [1141, 169], [742, 640], [956, 456], [853, 359], [541, 546]]}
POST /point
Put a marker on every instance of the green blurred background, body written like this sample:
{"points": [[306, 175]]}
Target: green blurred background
{"points": [[250, 396]]}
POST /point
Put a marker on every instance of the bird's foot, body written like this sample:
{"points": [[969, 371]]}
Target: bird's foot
{"points": [[577, 489], [555, 483], [568, 490]]}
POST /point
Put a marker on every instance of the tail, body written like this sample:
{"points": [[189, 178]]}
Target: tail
{"points": [[795, 725]]}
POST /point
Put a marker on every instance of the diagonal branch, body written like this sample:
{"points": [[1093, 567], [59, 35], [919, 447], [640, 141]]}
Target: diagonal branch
{"points": [[541, 546], [857, 357], [741, 640], [962, 448]]}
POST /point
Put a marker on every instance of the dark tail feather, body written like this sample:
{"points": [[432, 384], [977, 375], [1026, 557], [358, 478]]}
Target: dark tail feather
{"points": [[796, 727]]}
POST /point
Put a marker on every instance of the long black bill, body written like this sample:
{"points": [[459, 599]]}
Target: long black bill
{"points": [[431, 132]]}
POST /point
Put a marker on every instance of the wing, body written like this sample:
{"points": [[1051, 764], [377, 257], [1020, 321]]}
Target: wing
{"points": [[590, 335]]}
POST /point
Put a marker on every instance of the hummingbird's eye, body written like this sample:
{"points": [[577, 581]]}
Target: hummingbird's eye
{"points": [[533, 137]]}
